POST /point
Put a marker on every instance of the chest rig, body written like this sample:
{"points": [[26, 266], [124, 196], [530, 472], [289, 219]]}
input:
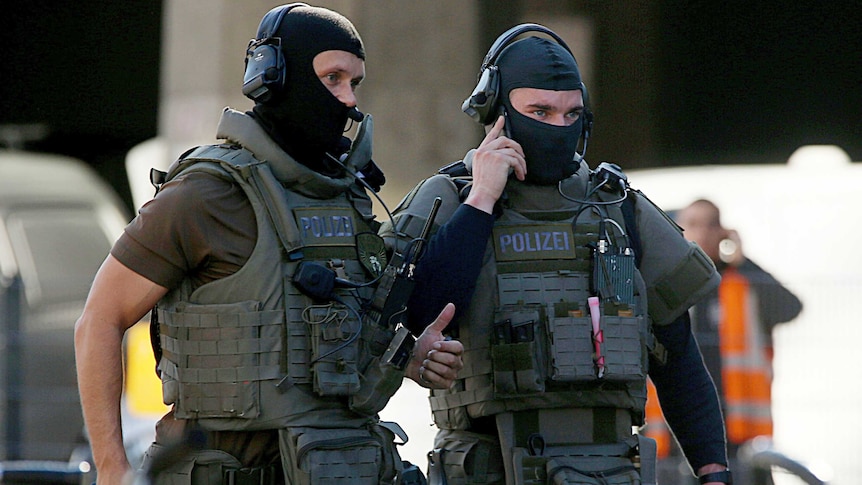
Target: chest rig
{"points": [[559, 319], [254, 351]]}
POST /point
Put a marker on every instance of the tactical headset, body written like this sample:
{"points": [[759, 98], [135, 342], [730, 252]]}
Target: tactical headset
{"points": [[483, 104], [265, 69]]}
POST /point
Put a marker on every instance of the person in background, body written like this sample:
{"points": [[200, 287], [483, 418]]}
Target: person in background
{"points": [[733, 327]]}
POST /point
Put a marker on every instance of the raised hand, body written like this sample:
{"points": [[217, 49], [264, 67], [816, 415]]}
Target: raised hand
{"points": [[495, 159]]}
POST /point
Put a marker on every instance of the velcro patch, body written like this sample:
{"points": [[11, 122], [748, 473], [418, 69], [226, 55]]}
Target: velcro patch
{"points": [[534, 241], [325, 226]]}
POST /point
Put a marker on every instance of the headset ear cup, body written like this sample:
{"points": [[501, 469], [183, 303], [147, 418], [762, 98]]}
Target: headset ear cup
{"points": [[587, 127], [482, 102], [265, 67], [264, 73]]}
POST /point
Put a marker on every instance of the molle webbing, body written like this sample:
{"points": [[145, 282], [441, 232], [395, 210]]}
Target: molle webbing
{"points": [[217, 354], [482, 402]]}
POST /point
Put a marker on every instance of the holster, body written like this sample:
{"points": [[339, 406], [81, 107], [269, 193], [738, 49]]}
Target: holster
{"points": [[204, 467]]}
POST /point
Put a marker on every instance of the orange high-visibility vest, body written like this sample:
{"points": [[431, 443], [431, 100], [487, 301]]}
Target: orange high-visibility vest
{"points": [[746, 371], [746, 365]]}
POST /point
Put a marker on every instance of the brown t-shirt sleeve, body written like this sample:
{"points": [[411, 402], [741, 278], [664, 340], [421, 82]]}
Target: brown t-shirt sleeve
{"points": [[197, 225]]}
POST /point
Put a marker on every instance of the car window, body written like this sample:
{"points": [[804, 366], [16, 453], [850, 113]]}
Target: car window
{"points": [[59, 250]]}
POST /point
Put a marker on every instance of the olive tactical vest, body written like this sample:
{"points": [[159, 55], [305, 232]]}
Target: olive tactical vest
{"points": [[250, 351], [531, 342]]}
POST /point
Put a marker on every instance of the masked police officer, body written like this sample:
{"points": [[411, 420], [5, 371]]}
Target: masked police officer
{"points": [[275, 301], [583, 291]]}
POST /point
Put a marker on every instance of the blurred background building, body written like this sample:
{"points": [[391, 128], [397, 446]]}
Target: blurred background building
{"points": [[672, 83]]}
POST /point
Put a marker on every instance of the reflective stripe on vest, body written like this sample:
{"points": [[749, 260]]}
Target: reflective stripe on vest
{"points": [[746, 369]]}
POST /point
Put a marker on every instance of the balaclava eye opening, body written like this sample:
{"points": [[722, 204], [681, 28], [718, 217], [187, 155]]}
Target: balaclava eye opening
{"points": [[549, 150], [305, 119]]}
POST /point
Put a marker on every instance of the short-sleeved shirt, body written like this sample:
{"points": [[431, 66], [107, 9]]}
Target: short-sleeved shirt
{"points": [[198, 226]]}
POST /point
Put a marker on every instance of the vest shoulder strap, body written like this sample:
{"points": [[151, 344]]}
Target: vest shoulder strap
{"points": [[205, 158], [628, 210]]}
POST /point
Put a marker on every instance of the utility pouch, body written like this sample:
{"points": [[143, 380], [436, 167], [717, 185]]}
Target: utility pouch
{"points": [[353, 456], [462, 457], [334, 349], [201, 467], [518, 350], [377, 385], [573, 348], [591, 471], [572, 470], [624, 349]]}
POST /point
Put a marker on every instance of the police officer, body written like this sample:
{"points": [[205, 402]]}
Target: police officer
{"points": [[261, 258], [583, 291]]}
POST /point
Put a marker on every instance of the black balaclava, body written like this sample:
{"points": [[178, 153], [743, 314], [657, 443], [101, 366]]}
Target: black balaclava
{"points": [[305, 119], [540, 63]]}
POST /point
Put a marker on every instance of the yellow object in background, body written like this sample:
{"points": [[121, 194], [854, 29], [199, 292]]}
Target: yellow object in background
{"points": [[143, 387]]}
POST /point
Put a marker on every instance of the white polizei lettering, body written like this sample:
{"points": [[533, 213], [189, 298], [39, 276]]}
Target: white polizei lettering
{"points": [[327, 226], [529, 242], [518, 242], [561, 240], [529, 239], [305, 222], [505, 241], [546, 241], [318, 226]]}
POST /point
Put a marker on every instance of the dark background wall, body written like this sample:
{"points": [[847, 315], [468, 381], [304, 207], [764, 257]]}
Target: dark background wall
{"points": [[86, 70], [676, 82], [747, 82]]}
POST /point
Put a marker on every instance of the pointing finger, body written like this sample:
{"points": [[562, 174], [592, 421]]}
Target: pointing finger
{"points": [[495, 131]]}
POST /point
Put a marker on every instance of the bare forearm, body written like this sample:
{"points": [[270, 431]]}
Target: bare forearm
{"points": [[118, 299], [98, 352]]}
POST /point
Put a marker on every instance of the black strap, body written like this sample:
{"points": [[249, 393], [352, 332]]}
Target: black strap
{"points": [[722, 476], [155, 338], [630, 220], [265, 475]]}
